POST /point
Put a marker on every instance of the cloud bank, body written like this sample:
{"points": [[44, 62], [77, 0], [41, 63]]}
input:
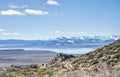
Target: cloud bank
{"points": [[35, 12], [5, 33], [11, 12]]}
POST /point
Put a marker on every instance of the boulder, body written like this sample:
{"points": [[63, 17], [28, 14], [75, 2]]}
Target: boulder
{"points": [[61, 57]]}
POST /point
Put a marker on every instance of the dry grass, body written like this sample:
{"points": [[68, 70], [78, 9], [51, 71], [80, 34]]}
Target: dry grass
{"points": [[83, 73]]}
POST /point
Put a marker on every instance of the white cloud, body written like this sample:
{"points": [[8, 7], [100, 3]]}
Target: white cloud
{"points": [[2, 30], [27, 11], [16, 34], [82, 33], [10, 34], [11, 12], [70, 33], [53, 2], [35, 12], [56, 32], [14, 6], [5, 33]]}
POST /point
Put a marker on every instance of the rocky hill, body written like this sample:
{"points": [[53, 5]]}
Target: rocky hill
{"points": [[103, 62]]}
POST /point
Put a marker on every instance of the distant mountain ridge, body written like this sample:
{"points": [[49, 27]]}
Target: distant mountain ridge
{"points": [[63, 42]]}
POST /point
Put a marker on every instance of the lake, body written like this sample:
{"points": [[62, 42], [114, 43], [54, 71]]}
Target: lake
{"points": [[34, 55], [67, 50]]}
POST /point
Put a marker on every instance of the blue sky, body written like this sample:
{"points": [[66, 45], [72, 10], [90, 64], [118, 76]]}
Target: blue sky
{"points": [[39, 19]]}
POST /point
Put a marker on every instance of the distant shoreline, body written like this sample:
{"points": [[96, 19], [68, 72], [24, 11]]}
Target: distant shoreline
{"points": [[12, 50], [24, 57]]}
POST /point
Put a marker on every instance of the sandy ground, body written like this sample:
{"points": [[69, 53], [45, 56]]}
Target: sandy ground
{"points": [[8, 58]]}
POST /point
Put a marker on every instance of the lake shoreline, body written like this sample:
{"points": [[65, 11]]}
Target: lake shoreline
{"points": [[23, 56]]}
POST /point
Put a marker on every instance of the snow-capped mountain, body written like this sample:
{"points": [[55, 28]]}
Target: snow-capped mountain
{"points": [[62, 42]]}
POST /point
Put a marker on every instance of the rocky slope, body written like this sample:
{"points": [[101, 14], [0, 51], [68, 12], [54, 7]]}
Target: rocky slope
{"points": [[103, 62]]}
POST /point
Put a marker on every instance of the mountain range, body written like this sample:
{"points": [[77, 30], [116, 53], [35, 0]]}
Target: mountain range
{"points": [[62, 42], [103, 62]]}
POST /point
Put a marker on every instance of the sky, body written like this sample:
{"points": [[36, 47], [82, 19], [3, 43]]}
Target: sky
{"points": [[44, 19]]}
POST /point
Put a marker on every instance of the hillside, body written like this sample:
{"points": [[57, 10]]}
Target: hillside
{"points": [[103, 62]]}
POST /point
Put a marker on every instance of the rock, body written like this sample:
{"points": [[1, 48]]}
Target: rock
{"points": [[61, 57], [17, 66]]}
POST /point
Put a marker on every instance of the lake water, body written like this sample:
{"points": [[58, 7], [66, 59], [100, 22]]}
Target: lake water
{"points": [[60, 50], [72, 50], [35, 55]]}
